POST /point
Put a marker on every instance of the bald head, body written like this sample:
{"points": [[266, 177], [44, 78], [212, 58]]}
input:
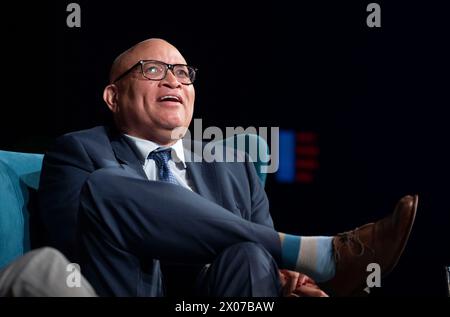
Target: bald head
{"points": [[147, 49], [150, 109]]}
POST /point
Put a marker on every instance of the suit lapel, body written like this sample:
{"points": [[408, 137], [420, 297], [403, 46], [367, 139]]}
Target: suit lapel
{"points": [[125, 154], [204, 176], [205, 180]]}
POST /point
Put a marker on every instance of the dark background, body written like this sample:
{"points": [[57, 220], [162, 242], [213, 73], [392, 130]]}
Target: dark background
{"points": [[377, 98]]}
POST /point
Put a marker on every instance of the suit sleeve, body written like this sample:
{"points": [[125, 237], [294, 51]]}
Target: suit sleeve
{"points": [[260, 203], [65, 169]]}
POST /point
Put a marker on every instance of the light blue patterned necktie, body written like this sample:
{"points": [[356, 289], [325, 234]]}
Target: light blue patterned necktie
{"points": [[162, 158]]}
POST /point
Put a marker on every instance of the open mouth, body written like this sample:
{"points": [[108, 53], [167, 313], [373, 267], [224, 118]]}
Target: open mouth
{"points": [[171, 98]]}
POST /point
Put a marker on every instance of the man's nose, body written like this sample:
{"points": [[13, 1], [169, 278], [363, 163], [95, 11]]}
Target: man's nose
{"points": [[170, 80]]}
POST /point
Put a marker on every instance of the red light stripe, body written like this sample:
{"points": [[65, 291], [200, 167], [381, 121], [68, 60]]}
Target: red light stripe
{"points": [[304, 177], [307, 137], [307, 164], [307, 150]]}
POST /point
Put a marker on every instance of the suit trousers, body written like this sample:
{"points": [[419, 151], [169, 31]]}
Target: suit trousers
{"points": [[127, 224]]}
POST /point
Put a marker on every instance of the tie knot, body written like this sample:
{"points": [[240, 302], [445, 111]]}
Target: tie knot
{"points": [[161, 156]]}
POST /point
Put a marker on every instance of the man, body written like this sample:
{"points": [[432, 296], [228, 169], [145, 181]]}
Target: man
{"points": [[120, 199]]}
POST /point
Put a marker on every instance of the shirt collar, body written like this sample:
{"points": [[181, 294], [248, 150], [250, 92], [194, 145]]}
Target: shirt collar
{"points": [[145, 147]]}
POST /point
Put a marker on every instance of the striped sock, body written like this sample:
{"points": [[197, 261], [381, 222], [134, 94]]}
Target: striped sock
{"points": [[312, 256]]}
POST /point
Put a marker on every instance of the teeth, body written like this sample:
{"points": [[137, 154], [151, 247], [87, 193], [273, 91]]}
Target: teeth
{"points": [[170, 97]]}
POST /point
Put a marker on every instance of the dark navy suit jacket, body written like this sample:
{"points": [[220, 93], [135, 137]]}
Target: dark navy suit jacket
{"points": [[66, 167]]}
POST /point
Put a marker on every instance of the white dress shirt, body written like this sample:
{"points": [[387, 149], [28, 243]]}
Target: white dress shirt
{"points": [[177, 164]]}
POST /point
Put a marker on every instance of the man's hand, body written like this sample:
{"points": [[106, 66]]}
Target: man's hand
{"points": [[296, 284]]}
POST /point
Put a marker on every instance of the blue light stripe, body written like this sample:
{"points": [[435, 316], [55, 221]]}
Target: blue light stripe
{"points": [[286, 170]]}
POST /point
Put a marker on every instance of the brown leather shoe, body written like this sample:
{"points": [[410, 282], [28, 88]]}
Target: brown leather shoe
{"points": [[381, 242]]}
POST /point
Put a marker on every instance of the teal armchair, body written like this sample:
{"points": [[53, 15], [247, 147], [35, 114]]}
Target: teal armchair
{"points": [[19, 172]]}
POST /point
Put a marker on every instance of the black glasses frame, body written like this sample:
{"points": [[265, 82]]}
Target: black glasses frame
{"points": [[167, 67]]}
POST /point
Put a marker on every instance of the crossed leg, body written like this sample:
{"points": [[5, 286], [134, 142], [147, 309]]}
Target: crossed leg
{"points": [[127, 223]]}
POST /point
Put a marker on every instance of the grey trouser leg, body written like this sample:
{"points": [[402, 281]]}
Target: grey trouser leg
{"points": [[42, 272]]}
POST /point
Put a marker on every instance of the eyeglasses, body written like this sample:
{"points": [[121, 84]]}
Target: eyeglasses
{"points": [[156, 70]]}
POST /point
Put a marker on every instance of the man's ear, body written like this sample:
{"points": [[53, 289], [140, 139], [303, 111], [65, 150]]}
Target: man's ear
{"points": [[110, 97]]}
